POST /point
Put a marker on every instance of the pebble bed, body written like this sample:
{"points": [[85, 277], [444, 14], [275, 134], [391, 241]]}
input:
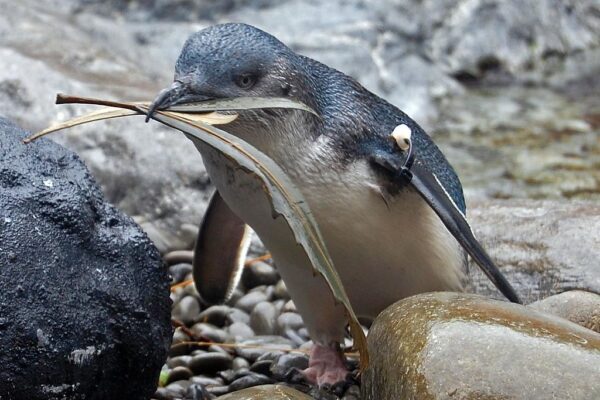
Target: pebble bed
{"points": [[256, 338]]}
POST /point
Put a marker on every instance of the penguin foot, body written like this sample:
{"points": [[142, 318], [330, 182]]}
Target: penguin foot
{"points": [[326, 366]]}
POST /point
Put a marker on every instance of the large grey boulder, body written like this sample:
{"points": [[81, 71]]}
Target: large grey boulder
{"points": [[84, 295], [543, 247], [456, 346]]}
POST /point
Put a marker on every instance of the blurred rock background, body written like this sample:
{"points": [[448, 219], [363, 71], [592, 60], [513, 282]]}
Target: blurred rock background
{"points": [[509, 91]]}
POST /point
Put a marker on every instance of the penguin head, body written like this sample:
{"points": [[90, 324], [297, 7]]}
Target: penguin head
{"points": [[234, 60]]}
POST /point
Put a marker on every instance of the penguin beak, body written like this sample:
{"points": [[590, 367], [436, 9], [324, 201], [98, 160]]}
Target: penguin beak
{"points": [[180, 92]]}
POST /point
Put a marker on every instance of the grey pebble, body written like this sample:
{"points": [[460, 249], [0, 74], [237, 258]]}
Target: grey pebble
{"points": [[352, 393], [262, 367], [178, 388], [240, 330], [279, 305], [219, 349], [197, 392], [239, 363], [181, 349], [263, 318], [179, 336], [179, 272], [210, 363], [294, 337], [186, 310], [259, 273], [235, 296], [206, 380], [250, 300], [283, 364], [163, 394], [290, 306], [218, 390], [280, 291], [270, 355], [179, 361], [289, 320], [264, 344], [208, 331], [179, 374], [216, 315], [249, 381], [237, 315]]}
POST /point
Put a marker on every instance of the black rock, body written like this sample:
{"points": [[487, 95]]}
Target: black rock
{"points": [[84, 295]]}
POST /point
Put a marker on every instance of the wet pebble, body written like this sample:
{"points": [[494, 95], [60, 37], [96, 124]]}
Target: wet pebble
{"points": [[239, 363], [240, 330], [186, 310], [197, 392], [237, 315], [250, 300], [283, 364], [180, 361], [163, 394], [289, 320], [216, 315], [259, 273], [280, 291], [206, 380], [178, 374], [264, 344], [178, 388], [263, 318], [210, 363], [249, 381], [180, 336], [218, 390], [262, 367], [210, 332], [179, 272]]}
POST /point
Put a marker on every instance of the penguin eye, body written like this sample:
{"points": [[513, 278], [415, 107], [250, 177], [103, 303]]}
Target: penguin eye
{"points": [[245, 81]]}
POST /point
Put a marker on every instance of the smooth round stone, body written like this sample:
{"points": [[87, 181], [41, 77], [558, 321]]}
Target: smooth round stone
{"points": [[250, 300], [210, 363], [216, 315], [237, 315], [267, 392], [239, 363], [270, 355], [240, 330], [289, 320], [280, 290], [178, 388], [186, 310], [262, 367], [180, 361], [263, 319], [179, 336], [451, 345], [249, 380], [163, 394], [290, 306], [283, 364], [206, 380], [179, 374], [261, 345], [179, 272], [197, 392], [259, 273], [218, 390], [181, 349], [578, 306], [209, 331], [235, 296]]}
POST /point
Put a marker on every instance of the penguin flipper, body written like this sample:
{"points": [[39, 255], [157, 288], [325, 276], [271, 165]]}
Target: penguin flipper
{"points": [[220, 251], [410, 171], [431, 190]]}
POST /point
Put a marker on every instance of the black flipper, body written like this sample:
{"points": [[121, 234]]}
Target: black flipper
{"points": [[220, 252], [431, 190]]}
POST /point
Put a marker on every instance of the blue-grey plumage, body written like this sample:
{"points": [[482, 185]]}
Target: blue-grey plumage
{"points": [[385, 241]]}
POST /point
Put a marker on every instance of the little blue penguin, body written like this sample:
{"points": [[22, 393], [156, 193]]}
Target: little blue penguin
{"points": [[386, 241]]}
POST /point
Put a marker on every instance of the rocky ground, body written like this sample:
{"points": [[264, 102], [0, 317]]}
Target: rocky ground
{"points": [[509, 93], [256, 338]]}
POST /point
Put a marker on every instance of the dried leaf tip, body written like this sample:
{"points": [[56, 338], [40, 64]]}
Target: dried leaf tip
{"points": [[402, 135]]}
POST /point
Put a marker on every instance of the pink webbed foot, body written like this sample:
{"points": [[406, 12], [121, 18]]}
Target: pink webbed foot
{"points": [[326, 366]]}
